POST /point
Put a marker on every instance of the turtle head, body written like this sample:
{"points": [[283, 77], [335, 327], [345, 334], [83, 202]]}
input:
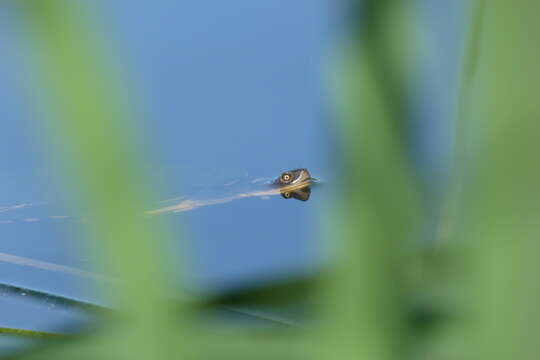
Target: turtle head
{"points": [[296, 176]]}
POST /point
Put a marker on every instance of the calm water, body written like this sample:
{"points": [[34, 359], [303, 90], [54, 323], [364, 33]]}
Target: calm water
{"points": [[227, 93], [227, 97]]}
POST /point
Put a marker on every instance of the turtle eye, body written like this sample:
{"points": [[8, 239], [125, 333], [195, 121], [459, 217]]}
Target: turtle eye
{"points": [[286, 195], [286, 177]]}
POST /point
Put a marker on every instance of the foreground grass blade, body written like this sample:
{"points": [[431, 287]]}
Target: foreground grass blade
{"points": [[28, 333], [48, 299], [501, 190], [93, 127], [377, 218]]}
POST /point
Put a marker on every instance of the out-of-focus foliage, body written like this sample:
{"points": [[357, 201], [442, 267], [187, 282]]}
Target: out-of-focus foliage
{"points": [[370, 291], [91, 122], [369, 301], [497, 227]]}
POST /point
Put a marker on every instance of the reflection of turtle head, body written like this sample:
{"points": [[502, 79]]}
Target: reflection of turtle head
{"points": [[299, 194], [295, 184]]}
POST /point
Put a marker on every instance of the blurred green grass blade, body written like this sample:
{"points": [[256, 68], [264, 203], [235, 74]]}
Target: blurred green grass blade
{"points": [[95, 131], [269, 345], [450, 219], [285, 292], [48, 299], [28, 333], [499, 231], [240, 303], [378, 216]]}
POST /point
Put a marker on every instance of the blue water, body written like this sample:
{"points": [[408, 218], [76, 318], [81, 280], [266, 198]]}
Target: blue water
{"points": [[226, 91]]}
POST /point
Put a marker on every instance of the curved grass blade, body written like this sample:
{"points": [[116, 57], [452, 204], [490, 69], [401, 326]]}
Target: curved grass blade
{"points": [[93, 127], [370, 292], [29, 333], [49, 299]]}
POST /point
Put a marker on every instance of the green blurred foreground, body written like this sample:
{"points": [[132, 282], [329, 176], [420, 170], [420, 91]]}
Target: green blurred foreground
{"points": [[471, 295]]}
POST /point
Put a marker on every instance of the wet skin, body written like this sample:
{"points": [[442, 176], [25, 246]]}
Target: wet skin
{"points": [[295, 184]]}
